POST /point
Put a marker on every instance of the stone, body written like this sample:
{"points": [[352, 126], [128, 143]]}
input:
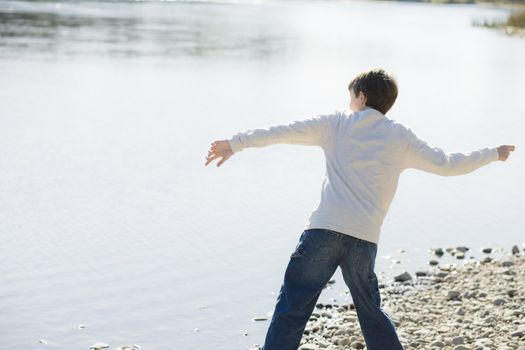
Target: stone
{"points": [[342, 331], [344, 342], [357, 345], [461, 347], [437, 344], [326, 314], [308, 347], [498, 301], [405, 276], [438, 251], [458, 340], [453, 295], [518, 333], [422, 331], [98, 346]]}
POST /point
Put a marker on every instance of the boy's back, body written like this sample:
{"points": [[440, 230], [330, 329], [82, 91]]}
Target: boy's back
{"points": [[365, 153]]}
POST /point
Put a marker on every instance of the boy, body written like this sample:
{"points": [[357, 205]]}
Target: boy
{"points": [[365, 155]]}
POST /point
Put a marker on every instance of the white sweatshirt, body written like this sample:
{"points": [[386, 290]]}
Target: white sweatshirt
{"points": [[365, 154]]}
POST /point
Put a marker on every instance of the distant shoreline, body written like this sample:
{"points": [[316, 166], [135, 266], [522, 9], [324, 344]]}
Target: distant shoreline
{"points": [[510, 4], [514, 24]]}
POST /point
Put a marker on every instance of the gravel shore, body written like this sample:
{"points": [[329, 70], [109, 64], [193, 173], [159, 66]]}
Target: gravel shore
{"points": [[478, 305]]}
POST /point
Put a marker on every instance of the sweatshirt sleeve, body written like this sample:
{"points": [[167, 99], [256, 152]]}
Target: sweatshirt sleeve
{"points": [[312, 131], [434, 160]]}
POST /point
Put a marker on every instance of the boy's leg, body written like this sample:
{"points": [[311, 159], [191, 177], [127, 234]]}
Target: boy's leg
{"points": [[311, 266], [357, 267]]}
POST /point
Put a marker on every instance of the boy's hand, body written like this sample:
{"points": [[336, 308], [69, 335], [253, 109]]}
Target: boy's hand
{"points": [[220, 148], [504, 151]]}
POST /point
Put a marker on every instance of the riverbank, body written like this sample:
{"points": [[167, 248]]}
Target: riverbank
{"points": [[514, 24], [474, 305]]}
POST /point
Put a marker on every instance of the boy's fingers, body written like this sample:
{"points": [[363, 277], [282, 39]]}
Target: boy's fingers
{"points": [[222, 161], [209, 159]]}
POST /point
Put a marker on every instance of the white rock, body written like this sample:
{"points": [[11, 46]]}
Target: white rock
{"points": [[99, 345], [309, 347]]}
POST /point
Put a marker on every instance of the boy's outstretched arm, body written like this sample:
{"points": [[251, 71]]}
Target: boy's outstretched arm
{"points": [[313, 131], [434, 160]]}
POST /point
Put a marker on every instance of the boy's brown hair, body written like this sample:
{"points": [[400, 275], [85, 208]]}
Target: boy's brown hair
{"points": [[379, 87]]}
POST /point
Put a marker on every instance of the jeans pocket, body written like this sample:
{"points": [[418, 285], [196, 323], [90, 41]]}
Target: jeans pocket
{"points": [[319, 238], [315, 245], [364, 255], [319, 245], [298, 252], [299, 248]]}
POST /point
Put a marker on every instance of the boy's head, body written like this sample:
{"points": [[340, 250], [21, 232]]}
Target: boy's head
{"points": [[374, 88]]}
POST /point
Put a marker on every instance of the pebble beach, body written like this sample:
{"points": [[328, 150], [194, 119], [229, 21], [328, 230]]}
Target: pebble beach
{"points": [[477, 304]]}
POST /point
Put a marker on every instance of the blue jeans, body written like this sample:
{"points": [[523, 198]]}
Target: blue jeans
{"points": [[312, 264]]}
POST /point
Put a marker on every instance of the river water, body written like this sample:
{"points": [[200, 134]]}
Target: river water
{"points": [[113, 230]]}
